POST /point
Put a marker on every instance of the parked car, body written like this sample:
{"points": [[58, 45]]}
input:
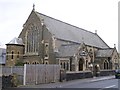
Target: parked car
{"points": [[117, 74]]}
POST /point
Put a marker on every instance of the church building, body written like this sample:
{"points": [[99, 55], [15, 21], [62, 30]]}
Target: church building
{"points": [[45, 40]]}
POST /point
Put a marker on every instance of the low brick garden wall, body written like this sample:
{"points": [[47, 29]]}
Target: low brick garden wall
{"points": [[107, 72], [87, 74], [78, 75]]}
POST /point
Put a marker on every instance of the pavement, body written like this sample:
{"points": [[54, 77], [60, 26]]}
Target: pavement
{"points": [[61, 84]]}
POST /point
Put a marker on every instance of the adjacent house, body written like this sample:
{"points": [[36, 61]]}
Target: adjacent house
{"points": [[2, 56]]}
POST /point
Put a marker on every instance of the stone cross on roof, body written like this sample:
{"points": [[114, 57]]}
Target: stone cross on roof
{"points": [[33, 6]]}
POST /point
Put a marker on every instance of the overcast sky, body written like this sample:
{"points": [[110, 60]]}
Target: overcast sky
{"points": [[100, 15]]}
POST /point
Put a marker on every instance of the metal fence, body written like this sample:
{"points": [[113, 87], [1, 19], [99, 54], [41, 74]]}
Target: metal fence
{"points": [[10, 70], [37, 74]]}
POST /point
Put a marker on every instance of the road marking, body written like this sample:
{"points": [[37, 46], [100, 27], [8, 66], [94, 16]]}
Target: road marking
{"points": [[110, 86], [107, 87]]}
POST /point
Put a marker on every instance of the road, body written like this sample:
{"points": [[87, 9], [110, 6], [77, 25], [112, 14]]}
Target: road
{"points": [[112, 83], [98, 83], [101, 83]]}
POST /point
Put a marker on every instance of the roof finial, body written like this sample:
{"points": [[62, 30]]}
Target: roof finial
{"points": [[95, 31], [114, 45], [33, 6]]}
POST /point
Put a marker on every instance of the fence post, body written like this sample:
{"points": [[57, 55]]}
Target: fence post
{"points": [[11, 70], [53, 73], [36, 73], [24, 76], [45, 74]]}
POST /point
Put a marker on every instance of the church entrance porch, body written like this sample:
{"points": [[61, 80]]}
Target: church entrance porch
{"points": [[80, 63]]}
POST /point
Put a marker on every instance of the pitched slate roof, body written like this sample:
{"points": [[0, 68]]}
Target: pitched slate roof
{"points": [[16, 41], [65, 31], [67, 50], [104, 52]]}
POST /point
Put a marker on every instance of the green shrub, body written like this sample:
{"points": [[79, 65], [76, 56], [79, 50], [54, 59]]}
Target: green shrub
{"points": [[19, 64]]}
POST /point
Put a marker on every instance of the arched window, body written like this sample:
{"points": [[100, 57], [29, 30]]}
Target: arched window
{"points": [[33, 63], [37, 62], [81, 61], [27, 62], [32, 39], [18, 55], [110, 65], [64, 65], [86, 63], [61, 64], [7, 56], [46, 62], [106, 65], [12, 56], [67, 66], [46, 50], [70, 63]]}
